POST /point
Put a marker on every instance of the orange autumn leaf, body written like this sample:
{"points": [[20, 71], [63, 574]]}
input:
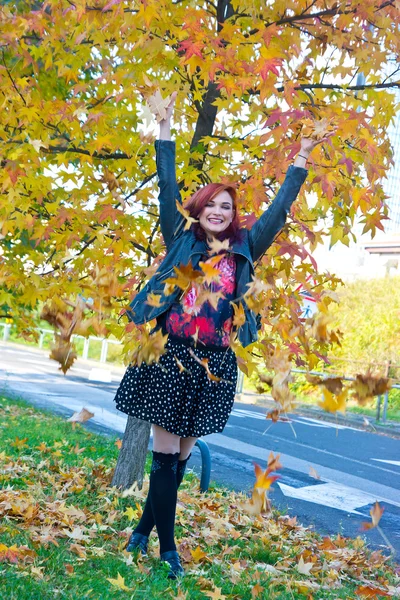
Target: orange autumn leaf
{"points": [[239, 317], [333, 403], [19, 443], [376, 513], [186, 215], [317, 129], [198, 554], [368, 591], [154, 300], [185, 275], [264, 479], [273, 463], [81, 417]]}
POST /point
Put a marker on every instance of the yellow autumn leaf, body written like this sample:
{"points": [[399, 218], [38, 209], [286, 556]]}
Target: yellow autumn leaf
{"points": [[119, 583]]}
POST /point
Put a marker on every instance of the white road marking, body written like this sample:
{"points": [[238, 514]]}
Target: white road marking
{"points": [[331, 495], [390, 462], [326, 424], [386, 493], [239, 412], [100, 375], [242, 413]]}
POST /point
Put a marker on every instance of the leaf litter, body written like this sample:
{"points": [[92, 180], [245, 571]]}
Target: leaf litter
{"points": [[228, 543]]}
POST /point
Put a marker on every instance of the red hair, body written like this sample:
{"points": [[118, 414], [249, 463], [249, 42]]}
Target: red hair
{"points": [[198, 201]]}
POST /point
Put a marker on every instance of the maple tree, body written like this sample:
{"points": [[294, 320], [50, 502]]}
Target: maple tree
{"points": [[79, 223]]}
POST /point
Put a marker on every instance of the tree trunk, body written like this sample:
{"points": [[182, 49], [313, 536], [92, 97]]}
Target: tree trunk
{"points": [[132, 457]]}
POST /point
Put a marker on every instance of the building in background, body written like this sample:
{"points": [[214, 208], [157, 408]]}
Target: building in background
{"points": [[392, 184]]}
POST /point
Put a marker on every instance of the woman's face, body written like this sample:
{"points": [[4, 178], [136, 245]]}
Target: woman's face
{"points": [[217, 214]]}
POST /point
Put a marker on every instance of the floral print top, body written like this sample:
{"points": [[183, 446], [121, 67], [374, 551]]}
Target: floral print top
{"points": [[213, 323]]}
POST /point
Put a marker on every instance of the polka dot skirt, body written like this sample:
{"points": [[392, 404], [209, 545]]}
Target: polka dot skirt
{"points": [[184, 402]]}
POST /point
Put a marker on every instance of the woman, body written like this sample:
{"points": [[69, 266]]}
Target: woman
{"points": [[183, 396]]}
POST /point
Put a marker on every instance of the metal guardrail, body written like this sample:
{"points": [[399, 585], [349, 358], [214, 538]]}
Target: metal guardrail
{"points": [[86, 341], [378, 398]]}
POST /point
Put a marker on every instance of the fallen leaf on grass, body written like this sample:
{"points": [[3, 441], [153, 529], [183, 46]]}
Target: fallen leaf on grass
{"points": [[215, 595], [119, 583], [198, 554], [257, 591], [15, 554], [17, 443], [304, 568], [367, 591], [38, 572], [131, 513]]}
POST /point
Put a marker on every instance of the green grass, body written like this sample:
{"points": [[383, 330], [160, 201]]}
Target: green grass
{"points": [[55, 483]]}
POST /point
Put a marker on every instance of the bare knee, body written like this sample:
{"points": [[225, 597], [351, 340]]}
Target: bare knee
{"points": [[186, 447], [164, 441]]}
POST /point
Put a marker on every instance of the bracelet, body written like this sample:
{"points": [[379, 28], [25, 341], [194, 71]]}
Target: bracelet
{"points": [[305, 157]]}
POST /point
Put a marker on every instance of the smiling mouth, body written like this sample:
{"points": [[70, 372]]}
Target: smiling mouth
{"points": [[216, 221]]}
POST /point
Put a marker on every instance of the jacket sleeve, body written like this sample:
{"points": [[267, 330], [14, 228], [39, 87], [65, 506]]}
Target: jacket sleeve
{"points": [[170, 219], [267, 227]]}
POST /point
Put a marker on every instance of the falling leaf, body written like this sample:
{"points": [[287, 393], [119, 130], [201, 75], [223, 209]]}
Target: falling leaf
{"points": [[314, 474], [154, 300], [239, 317], [118, 443], [150, 349], [211, 273], [264, 479], [186, 215], [81, 417], [376, 513], [333, 403], [185, 275], [367, 386], [204, 363], [216, 246]]}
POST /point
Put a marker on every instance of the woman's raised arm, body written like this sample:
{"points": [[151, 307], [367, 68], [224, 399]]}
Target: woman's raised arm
{"points": [[170, 218], [267, 227]]}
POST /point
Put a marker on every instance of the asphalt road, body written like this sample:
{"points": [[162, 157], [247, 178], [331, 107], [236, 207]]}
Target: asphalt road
{"points": [[355, 467]]}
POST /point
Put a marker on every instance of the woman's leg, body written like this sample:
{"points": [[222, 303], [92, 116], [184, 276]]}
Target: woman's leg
{"points": [[186, 447], [163, 485], [147, 521], [167, 443]]}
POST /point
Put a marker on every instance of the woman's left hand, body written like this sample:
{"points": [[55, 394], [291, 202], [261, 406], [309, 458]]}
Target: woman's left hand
{"points": [[308, 144]]}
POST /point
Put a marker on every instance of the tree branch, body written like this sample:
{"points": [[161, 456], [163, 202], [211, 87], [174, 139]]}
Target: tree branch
{"points": [[11, 78]]}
